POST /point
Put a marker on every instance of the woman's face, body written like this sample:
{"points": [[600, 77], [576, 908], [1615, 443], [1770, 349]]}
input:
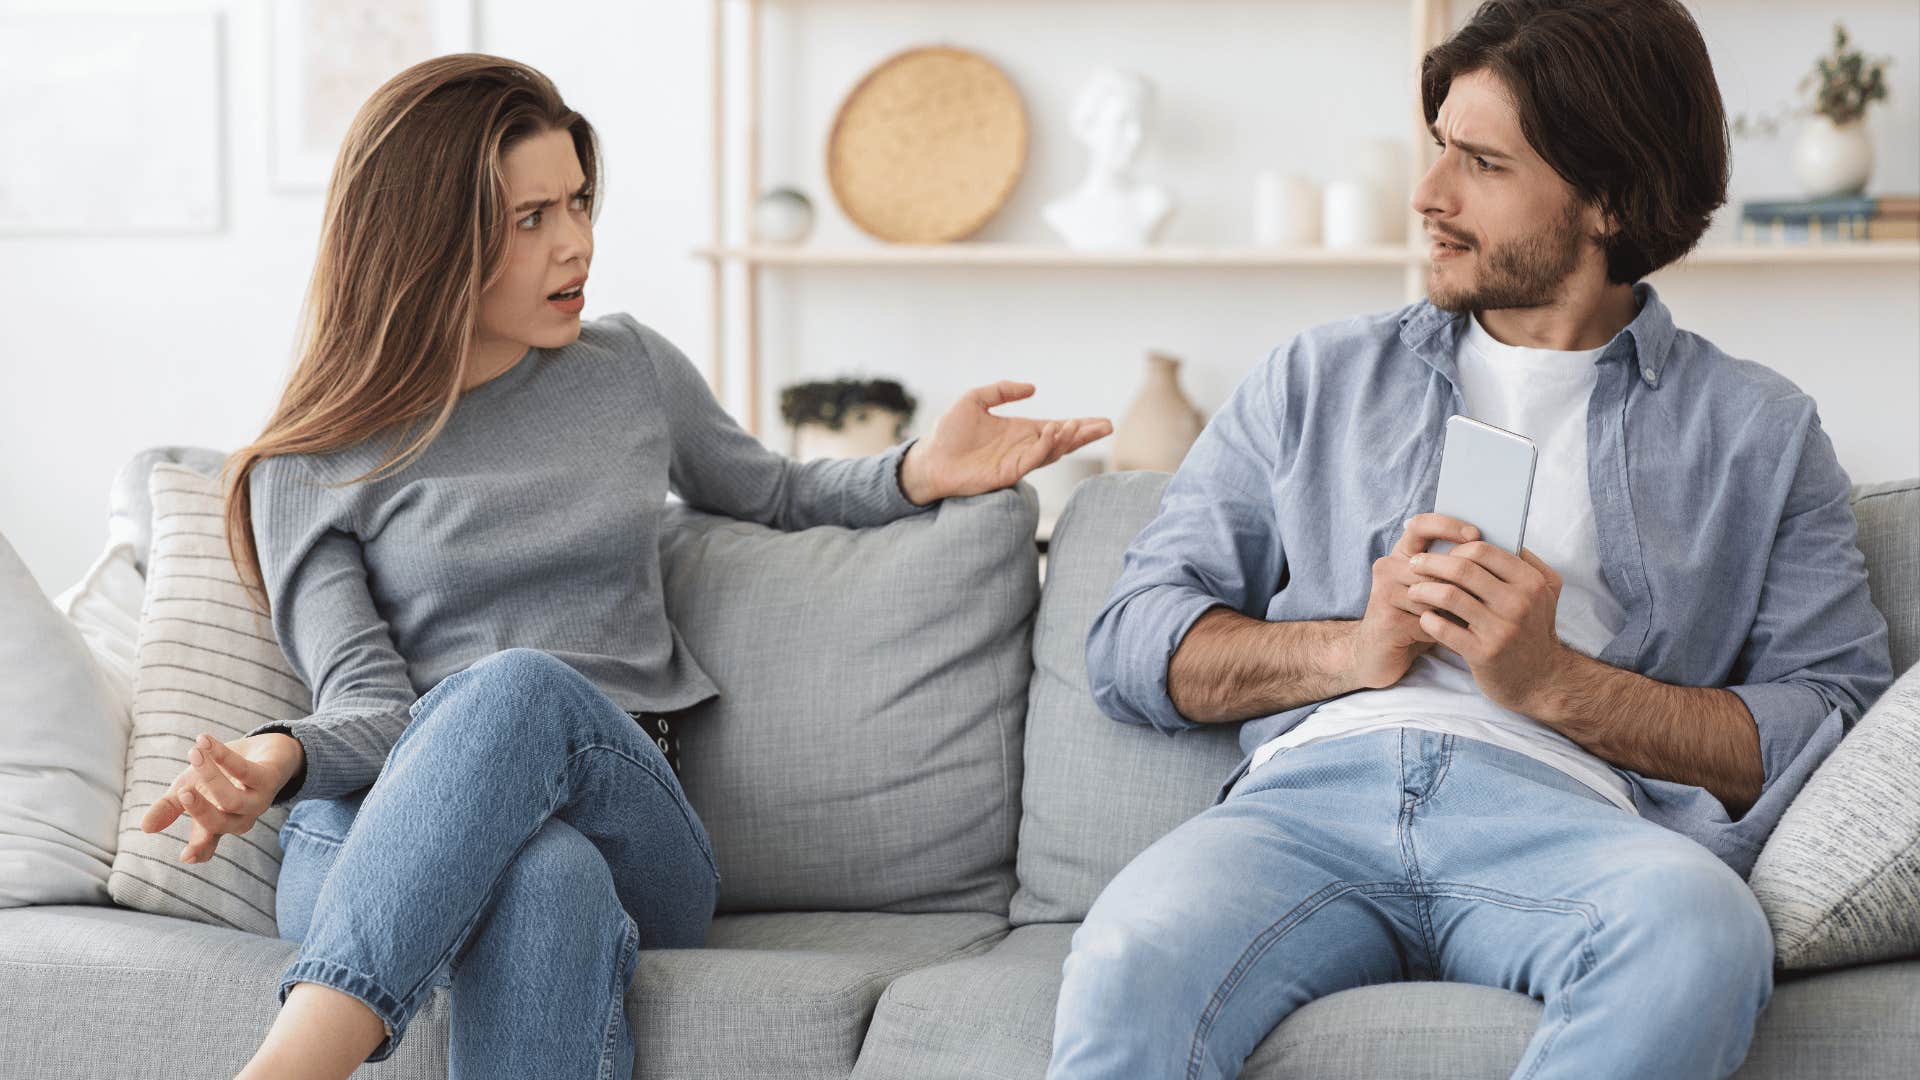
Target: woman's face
{"points": [[549, 246]]}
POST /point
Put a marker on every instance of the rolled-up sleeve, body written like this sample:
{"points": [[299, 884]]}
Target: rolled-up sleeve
{"points": [[1817, 654], [1215, 542]]}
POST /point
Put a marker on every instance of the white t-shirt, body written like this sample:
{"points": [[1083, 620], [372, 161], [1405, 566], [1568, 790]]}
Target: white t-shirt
{"points": [[1542, 394]]}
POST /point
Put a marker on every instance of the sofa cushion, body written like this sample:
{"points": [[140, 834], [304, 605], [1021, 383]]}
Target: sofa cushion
{"points": [[63, 744], [864, 752], [1839, 878], [207, 662], [990, 1017], [1889, 518], [1097, 791], [784, 995]]}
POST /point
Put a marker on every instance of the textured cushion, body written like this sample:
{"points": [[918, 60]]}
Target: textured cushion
{"points": [[990, 1017], [63, 742], [1839, 878], [784, 995], [1889, 518], [864, 752], [207, 662], [1097, 791]]}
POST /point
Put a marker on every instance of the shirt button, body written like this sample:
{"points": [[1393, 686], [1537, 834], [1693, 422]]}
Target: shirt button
{"points": [[1652, 376]]}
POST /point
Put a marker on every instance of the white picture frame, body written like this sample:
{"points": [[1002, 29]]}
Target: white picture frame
{"points": [[113, 122], [329, 56]]}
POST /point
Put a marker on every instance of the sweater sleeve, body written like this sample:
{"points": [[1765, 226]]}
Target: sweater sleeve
{"points": [[334, 639], [718, 467]]}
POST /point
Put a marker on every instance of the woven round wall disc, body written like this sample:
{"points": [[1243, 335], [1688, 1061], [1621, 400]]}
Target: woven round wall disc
{"points": [[928, 146]]}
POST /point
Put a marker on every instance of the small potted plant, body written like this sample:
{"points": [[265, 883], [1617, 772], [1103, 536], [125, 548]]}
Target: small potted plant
{"points": [[845, 417], [1833, 156]]}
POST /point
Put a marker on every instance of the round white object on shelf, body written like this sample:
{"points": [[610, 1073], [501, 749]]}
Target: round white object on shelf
{"points": [[782, 216]]}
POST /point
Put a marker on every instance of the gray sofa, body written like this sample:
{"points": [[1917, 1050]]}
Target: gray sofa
{"points": [[913, 801]]}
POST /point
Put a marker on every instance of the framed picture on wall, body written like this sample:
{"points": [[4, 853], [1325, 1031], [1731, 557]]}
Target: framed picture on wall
{"points": [[111, 122], [328, 56]]}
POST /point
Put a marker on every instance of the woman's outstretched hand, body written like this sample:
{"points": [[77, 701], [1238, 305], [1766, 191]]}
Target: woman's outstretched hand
{"points": [[225, 788], [972, 451]]}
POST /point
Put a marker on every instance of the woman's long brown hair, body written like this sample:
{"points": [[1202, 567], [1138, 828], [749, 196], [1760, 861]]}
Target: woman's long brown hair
{"points": [[415, 230]]}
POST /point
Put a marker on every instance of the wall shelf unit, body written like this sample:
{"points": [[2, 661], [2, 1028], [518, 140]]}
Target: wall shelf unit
{"points": [[1429, 21]]}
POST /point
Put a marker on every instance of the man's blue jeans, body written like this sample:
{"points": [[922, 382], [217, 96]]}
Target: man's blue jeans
{"points": [[524, 839], [1409, 854]]}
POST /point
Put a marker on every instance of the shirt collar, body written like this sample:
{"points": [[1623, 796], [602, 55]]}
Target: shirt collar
{"points": [[1432, 333]]}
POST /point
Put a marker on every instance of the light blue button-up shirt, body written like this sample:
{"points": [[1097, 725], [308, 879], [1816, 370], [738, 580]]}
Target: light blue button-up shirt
{"points": [[1725, 530]]}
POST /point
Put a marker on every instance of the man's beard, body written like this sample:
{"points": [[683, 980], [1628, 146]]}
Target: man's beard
{"points": [[1525, 273]]}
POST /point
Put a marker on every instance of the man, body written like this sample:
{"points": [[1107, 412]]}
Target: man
{"points": [[1550, 770]]}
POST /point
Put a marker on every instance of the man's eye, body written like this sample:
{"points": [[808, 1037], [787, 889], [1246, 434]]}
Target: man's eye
{"points": [[533, 217], [1484, 167]]}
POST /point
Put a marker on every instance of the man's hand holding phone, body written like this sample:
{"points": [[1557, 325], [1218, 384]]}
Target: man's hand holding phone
{"points": [[1391, 634], [1497, 610]]}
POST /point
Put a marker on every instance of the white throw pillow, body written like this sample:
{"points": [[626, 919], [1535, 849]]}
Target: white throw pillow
{"points": [[105, 606], [63, 741], [208, 661], [1839, 878]]}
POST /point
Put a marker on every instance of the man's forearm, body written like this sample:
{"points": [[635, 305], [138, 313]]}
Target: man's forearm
{"points": [[1701, 736], [1230, 667]]}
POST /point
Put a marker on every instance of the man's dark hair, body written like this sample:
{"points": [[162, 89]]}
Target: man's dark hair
{"points": [[1619, 98]]}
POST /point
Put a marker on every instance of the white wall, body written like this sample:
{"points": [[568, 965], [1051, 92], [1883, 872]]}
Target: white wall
{"points": [[112, 344]]}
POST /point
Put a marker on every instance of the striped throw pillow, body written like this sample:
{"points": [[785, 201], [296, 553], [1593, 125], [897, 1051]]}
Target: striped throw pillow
{"points": [[207, 660]]}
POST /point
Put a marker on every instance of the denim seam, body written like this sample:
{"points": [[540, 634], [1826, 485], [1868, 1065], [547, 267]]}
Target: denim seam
{"points": [[1446, 763], [679, 801], [1423, 905], [1264, 941], [1560, 905], [629, 947], [294, 827]]}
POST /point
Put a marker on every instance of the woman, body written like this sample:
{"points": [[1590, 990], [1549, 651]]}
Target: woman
{"points": [[524, 829]]}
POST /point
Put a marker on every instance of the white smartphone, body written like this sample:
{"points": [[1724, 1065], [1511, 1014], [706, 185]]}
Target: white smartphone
{"points": [[1486, 480]]}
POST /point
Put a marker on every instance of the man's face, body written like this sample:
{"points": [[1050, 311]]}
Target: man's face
{"points": [[1524, 231]]}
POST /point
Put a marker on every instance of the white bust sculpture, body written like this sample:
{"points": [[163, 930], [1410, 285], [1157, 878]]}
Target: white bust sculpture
{"points": [[1110, 210]]}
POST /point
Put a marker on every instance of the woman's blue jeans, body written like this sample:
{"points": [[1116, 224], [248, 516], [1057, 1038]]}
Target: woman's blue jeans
{"points": [[1410, 854], [523, 841]]}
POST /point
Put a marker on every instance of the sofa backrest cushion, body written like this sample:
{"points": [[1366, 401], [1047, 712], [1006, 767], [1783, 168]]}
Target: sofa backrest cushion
{"points": [[864, 752], [1889, 517], [1097, 791]]}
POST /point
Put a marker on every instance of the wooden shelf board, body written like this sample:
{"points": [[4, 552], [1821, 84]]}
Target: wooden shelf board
{"points": [[1873, 252]]}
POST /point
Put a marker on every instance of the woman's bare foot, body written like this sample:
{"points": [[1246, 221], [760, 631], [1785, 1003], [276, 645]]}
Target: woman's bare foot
{"points": [[320, 1034]]}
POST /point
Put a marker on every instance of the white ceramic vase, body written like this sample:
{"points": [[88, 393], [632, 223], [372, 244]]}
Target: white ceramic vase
{"points": [[1832, 159]]}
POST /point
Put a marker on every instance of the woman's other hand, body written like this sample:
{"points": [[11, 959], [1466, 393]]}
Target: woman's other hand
{"points": [[972, 450], [225, 788]]}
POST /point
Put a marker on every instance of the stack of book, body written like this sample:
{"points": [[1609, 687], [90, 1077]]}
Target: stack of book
{"points": [[1799, 221]]}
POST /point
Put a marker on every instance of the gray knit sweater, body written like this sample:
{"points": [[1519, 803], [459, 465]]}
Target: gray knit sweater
{"points": [[531, 520]]}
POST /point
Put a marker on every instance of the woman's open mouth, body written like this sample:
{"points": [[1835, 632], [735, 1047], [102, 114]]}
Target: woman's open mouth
{"points": [[569, 300]]}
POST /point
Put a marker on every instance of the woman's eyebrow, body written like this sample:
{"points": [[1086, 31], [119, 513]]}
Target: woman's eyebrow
{"points": [[541, 204]]}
